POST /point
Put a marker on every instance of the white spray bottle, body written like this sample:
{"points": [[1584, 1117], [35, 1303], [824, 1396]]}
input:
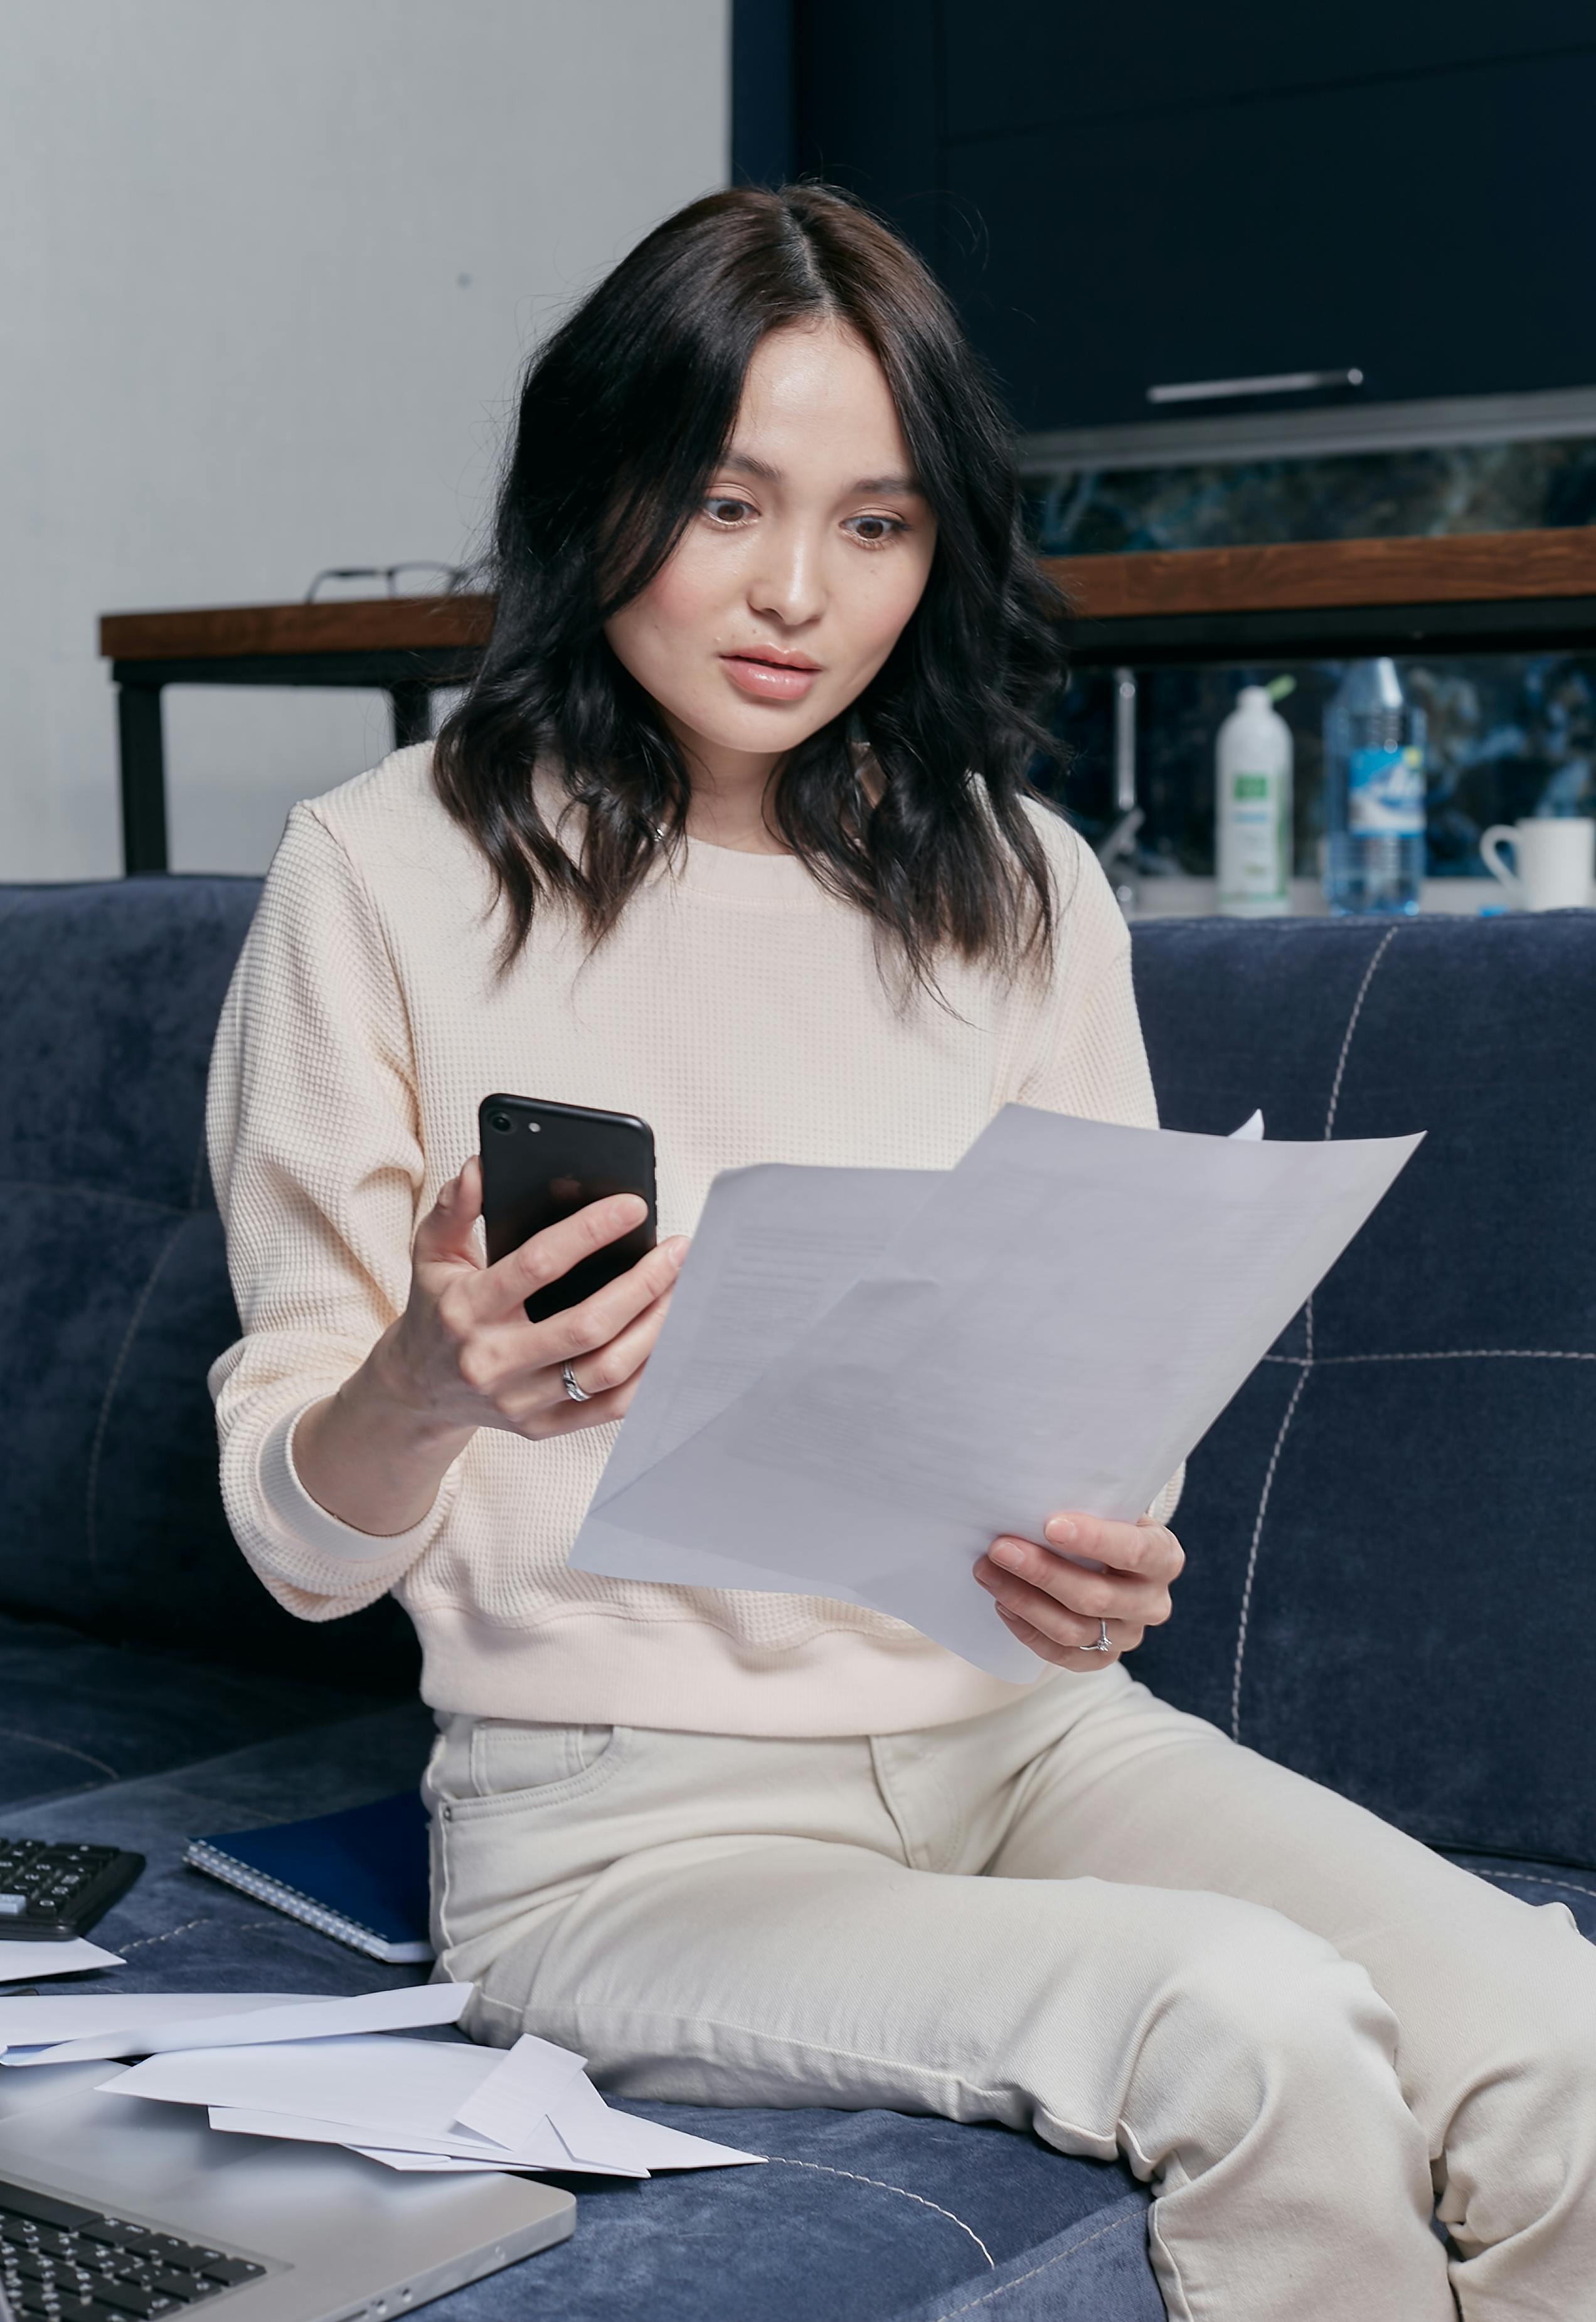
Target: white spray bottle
{"points": [[1253, 805]]}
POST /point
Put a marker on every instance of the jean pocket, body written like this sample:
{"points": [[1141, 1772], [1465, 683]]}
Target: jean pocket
{"points": [[499, 1765]]}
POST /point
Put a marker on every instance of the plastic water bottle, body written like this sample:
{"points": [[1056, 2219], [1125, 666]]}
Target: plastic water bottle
{"points": [[1373, 792]]}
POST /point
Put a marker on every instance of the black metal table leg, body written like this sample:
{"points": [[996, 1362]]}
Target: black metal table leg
{"points": [[144, 778], [411, 699]]}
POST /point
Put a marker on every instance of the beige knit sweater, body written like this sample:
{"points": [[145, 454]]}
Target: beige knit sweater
{"points": [[740, 1011]]}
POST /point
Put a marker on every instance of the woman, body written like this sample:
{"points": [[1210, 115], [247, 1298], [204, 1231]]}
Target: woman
{"points": [[733, 831]]}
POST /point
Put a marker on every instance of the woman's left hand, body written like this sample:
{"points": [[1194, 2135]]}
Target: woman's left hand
{"points": [[1055, 1606]]}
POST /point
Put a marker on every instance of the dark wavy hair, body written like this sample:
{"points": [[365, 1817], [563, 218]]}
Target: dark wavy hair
{"points": [[625, 413]]}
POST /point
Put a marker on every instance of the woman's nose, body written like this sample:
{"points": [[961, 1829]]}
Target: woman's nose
{"points": [[787, 581]]}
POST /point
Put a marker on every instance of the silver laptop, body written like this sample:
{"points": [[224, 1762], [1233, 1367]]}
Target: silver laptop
{"points": [[117, 2211]]}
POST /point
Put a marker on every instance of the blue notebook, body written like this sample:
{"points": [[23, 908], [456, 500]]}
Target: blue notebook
{"points": [[359, 1875]]}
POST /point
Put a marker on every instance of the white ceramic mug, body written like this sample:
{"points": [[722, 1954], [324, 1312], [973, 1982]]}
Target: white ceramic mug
{"points": [[1553, 860]]}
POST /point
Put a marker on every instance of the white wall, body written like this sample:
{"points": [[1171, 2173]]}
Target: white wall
{"points": [[268, 269]]}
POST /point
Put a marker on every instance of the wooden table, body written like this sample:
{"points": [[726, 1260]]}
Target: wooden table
{"points": [[403, 646], [1482, 592]]}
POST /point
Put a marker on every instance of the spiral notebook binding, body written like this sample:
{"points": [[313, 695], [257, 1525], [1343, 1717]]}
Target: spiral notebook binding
{"points": [[201, 1856]]}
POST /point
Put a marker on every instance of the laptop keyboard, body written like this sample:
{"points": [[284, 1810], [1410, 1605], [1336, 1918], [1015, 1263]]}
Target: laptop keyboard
{"points": [[60, 2262]]}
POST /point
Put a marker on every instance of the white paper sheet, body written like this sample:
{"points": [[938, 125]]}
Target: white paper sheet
{"points": [[776, 1245], [395, 2094], [22, 1962], [540, 2149], [593, 2133], [151, 2025], [44, 2018], [438, 2163], [386, 2086], [519, 2094], [1054, 1323]]}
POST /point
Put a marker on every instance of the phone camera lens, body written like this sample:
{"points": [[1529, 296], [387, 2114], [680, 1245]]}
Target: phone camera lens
{"points": [[501, 1121]]}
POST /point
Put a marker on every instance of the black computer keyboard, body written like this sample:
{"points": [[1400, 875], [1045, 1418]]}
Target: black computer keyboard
{"points": [[48, 1894], [59, 2263]]}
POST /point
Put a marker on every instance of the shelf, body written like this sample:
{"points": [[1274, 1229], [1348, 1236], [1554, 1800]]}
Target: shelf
{"points": [[1307, 600]]}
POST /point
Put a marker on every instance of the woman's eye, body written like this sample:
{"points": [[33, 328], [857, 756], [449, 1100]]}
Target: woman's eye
{"points": [[722, 509], [878, 530]]}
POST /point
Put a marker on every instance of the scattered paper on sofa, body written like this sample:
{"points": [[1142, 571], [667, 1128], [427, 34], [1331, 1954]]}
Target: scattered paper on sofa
{"points": [[315, 2070]]}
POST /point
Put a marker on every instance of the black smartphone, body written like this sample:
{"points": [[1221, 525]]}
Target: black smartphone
{"points": [[540, 1162]]}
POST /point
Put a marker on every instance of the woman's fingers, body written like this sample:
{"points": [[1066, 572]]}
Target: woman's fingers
{"points": [[1020, 1601], [615, 1361], [597, 1320], [447, 1232], [561, 1415], [1143, 1546], [1060, 1652], [529, 1397], [548, 1255], [1093, 1597], [1125, 1580]]}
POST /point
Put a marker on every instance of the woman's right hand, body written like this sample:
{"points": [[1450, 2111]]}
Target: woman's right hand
{"points": [[463, 1353]]}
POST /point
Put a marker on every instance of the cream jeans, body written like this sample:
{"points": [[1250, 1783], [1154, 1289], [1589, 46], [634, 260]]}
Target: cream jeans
{"points": [[1085, 1914]]}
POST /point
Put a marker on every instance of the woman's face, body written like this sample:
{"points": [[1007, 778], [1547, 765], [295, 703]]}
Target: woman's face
{"points": [[806, 557]]}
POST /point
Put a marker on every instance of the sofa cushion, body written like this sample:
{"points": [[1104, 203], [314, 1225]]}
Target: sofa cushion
{"points": [[1390, 1584], [75, 1713], [114, 1292], [867, 2217]]}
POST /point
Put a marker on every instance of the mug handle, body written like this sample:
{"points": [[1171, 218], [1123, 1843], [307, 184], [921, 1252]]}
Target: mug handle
{"points": [[1492, 842]]}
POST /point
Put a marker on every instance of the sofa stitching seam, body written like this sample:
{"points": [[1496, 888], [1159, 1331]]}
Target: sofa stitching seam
{"points": [[1246, 1586], [1535, 1879], [990, 2297], [1305, 1361], [1380, 948], [1340, 1073], [103, 1422], [15, 1734], [142, 1942], [880, 2184], [1452, 1355]]}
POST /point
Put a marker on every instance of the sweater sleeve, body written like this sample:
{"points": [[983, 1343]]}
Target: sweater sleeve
{"points": [[1091, 1060], [311, 1128]]}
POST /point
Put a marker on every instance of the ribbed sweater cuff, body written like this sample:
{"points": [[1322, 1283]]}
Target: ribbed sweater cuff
{"points": [[306, 1522]]}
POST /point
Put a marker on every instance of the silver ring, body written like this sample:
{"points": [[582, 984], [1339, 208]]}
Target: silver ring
{"points": [[579, 1395], [1103, 1644]]}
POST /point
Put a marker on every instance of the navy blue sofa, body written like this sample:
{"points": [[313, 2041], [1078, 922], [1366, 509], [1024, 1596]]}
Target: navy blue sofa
{"points": [[1391, 1582]]}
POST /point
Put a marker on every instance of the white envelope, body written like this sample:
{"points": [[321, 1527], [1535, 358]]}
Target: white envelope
{"points": [[44, 2018], [22, 1962], [150, 2025], [407, 2095], [439, 2163], [538, 2149], [386, 2086], [517, 2098], [596, 2136]]}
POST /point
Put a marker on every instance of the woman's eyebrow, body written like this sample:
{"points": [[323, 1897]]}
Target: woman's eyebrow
{"points": [[747, 464]]}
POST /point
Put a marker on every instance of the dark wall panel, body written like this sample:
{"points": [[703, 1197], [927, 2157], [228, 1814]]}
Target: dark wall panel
{"points": [[1014, 64], [1154, 192], [1427, 233], [868, 80]]}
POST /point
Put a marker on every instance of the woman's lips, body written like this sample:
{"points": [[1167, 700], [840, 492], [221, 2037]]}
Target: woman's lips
{"points": [[767, 681]]}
